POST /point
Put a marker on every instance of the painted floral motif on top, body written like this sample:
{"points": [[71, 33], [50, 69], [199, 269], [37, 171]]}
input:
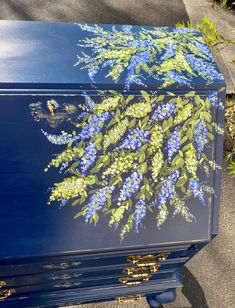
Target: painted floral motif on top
{"points": [[133, 155], [131, 55]]}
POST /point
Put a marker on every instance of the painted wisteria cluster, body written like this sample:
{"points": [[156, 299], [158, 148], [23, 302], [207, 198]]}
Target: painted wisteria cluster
{"points": [[133, 156], [133, 54]]}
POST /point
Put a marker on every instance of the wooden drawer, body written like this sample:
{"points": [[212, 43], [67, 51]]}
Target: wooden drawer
{"points": [[70, 277], [25, 294], [28, 285], [85, 262]]}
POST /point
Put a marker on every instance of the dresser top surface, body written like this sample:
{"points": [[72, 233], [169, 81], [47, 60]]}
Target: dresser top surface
{"points": [[62, 55]]}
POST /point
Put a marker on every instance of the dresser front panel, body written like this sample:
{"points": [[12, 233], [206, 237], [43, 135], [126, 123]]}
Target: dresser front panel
{"points": [[32, 127]]}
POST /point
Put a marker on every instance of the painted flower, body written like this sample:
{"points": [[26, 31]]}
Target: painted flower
{"points": [[167, 190], [134, 56], [136, 61], [182, 30], [200, 136], [203, 68], [173, 143], [204, 49], [163, 112], [177, 77], [169, 51], [97, 201], [216, 101], [130, 186], [134, 140], [139, 214], [88, 158], [64, 138], [94, 125], [197, 190]]}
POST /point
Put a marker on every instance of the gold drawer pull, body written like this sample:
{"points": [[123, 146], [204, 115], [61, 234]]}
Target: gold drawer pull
{"points": [[129, 299], [2, 284], [163, 256], [140, 276], [148, 260], [6, 293], [133, 281], [148, 270]]}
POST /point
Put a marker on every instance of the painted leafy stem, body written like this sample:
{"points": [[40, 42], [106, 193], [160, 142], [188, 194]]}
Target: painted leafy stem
{"points": [[127, 157], [169, 55]]}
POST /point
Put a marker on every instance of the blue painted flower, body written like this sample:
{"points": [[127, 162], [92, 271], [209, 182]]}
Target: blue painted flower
{"points": [[139, 214], [64, 138], [173, 143], [203, 68], [167, 190], [92, 72], [216, 101], [126, 29], [82, 115], [63, 202], [182, 30], [88, 158], [177, 77], [197, 190], [97, 201], [134, 140], [94, 125], [203, 48], [169, 51], [163, 112], [200, 136], [63, 166], [89, 102], [130, 186], [139, 59], [108, 63]]}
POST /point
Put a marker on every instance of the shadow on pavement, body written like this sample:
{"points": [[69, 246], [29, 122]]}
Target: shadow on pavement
{"points": [[192, 290]]}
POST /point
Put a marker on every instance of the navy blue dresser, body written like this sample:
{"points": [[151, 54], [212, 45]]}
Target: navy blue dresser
{"points": [[111, 144]]}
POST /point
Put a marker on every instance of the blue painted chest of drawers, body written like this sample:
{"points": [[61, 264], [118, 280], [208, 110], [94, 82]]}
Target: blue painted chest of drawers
{"points": [[110, 152]]}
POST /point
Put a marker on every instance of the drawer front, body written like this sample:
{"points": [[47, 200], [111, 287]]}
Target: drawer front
{"points": [[105, 291], [83, 263], [127, 275]]}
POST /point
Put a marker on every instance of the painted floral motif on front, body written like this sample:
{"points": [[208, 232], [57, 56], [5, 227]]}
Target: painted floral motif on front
{"points": [[129, 55], [129, 156]]}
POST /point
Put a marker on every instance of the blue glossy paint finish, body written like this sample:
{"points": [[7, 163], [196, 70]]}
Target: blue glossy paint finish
{"points": [[42, 56], [38, 58], [45, 228]]}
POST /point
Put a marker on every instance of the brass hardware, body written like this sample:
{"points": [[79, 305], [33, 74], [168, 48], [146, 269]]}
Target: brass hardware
{"points": [[129, 299], [2, 284], [134, 270], [163, 256], [148, 270], [133, 281], [62, 265], [143, 275], [154, 268], [6, 293], [148, 260]]}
